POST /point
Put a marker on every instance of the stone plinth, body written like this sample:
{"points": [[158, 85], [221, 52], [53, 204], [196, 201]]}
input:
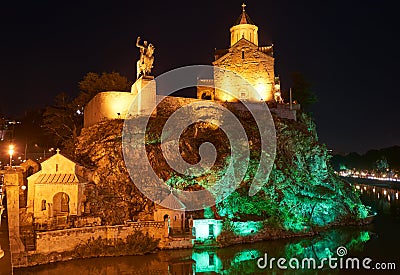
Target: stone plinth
{"points": [[144, 90]]}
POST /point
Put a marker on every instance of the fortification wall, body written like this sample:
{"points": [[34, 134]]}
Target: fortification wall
{"points": [[107, 105]]}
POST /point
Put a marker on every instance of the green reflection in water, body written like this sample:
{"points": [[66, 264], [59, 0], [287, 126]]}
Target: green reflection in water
{"points": [[244, 261]]}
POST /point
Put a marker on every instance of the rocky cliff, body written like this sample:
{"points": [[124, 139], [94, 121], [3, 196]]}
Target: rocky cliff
{"points": [[302, 189]]}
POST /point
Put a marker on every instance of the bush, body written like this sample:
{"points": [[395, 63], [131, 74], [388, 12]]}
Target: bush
{"points": [[135, 244]]}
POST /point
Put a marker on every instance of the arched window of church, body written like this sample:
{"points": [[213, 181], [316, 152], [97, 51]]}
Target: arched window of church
{"points": [[242, 54], [57, 167]]}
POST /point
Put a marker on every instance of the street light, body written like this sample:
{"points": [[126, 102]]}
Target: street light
{"points": [[11, 152]]}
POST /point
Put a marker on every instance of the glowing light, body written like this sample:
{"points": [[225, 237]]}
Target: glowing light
{"points": [[384, 192], [397, 196], [11, 152], [261, 89], [11, 149], [373, 190]]}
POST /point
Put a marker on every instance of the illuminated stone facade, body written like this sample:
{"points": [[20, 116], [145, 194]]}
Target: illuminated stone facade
{"points": [[246, 58], [56, 190], [172, 211], [114, 105], [257, 67]]}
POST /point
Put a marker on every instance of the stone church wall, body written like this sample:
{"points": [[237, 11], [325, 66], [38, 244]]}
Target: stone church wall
{"points": [[256, 67]]}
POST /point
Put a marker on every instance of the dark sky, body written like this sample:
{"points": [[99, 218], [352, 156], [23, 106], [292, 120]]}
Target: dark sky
{"points": [[348, 50]]}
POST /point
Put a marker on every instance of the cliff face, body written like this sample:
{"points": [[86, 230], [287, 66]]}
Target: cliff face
{"points": [[301, 191]]}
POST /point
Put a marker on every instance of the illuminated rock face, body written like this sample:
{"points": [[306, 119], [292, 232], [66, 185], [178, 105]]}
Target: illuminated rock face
{"points": [[301, 192], [257, 67]]}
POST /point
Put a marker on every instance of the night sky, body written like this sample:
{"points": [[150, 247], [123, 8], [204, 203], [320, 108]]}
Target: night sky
{"points": [[348, 50]]}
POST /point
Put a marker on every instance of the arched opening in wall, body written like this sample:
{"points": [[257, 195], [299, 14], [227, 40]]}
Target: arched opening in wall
{"points": [[30, 171], [61, 204], [166, 217], [206, 96]]}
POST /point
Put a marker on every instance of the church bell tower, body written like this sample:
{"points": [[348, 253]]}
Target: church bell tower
{"points": [[244, 28]]}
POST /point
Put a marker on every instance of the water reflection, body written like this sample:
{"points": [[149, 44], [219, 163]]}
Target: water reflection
{"points": [[381, 199], [378, 241], [240, 259]]}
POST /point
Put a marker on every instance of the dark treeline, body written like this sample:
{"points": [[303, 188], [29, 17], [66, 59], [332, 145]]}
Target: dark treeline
{"points": [[371, 160]]}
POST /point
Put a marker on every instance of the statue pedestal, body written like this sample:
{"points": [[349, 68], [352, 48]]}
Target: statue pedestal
{"points": [[144, 89]]}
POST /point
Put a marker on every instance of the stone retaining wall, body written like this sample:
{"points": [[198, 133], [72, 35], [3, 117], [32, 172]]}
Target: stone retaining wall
{"points": [[68, 239]]}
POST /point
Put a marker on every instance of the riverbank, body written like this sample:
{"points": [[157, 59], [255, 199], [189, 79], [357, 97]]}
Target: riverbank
{"points": [[372, 182], [226, 239]]}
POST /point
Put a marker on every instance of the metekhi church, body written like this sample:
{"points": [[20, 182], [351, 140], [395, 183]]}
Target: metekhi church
{"points": [[244, 57]]}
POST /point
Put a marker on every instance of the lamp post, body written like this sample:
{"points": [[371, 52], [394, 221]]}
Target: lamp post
{"points": [[11, 152]]}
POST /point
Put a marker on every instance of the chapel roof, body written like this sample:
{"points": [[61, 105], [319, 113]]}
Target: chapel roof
{"points": [[59, 178], [172, 202]]}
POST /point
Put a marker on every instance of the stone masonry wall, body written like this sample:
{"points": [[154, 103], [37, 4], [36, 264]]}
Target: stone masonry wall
{"points": [[68, 239], [245, 59]]}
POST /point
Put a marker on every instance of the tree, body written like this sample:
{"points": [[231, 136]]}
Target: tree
{"points": [[302, 92], [63, 123], [93, 83], [382, 164], [64, 120]]}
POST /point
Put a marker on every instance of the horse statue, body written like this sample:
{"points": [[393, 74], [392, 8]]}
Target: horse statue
{"points": [[145, 63]]}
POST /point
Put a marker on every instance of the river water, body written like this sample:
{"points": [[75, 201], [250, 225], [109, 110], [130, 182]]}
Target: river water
{"points": [[379, 241]]}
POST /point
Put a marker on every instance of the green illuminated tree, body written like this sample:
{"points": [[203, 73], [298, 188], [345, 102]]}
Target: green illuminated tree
{"points": [[382, 164]]}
